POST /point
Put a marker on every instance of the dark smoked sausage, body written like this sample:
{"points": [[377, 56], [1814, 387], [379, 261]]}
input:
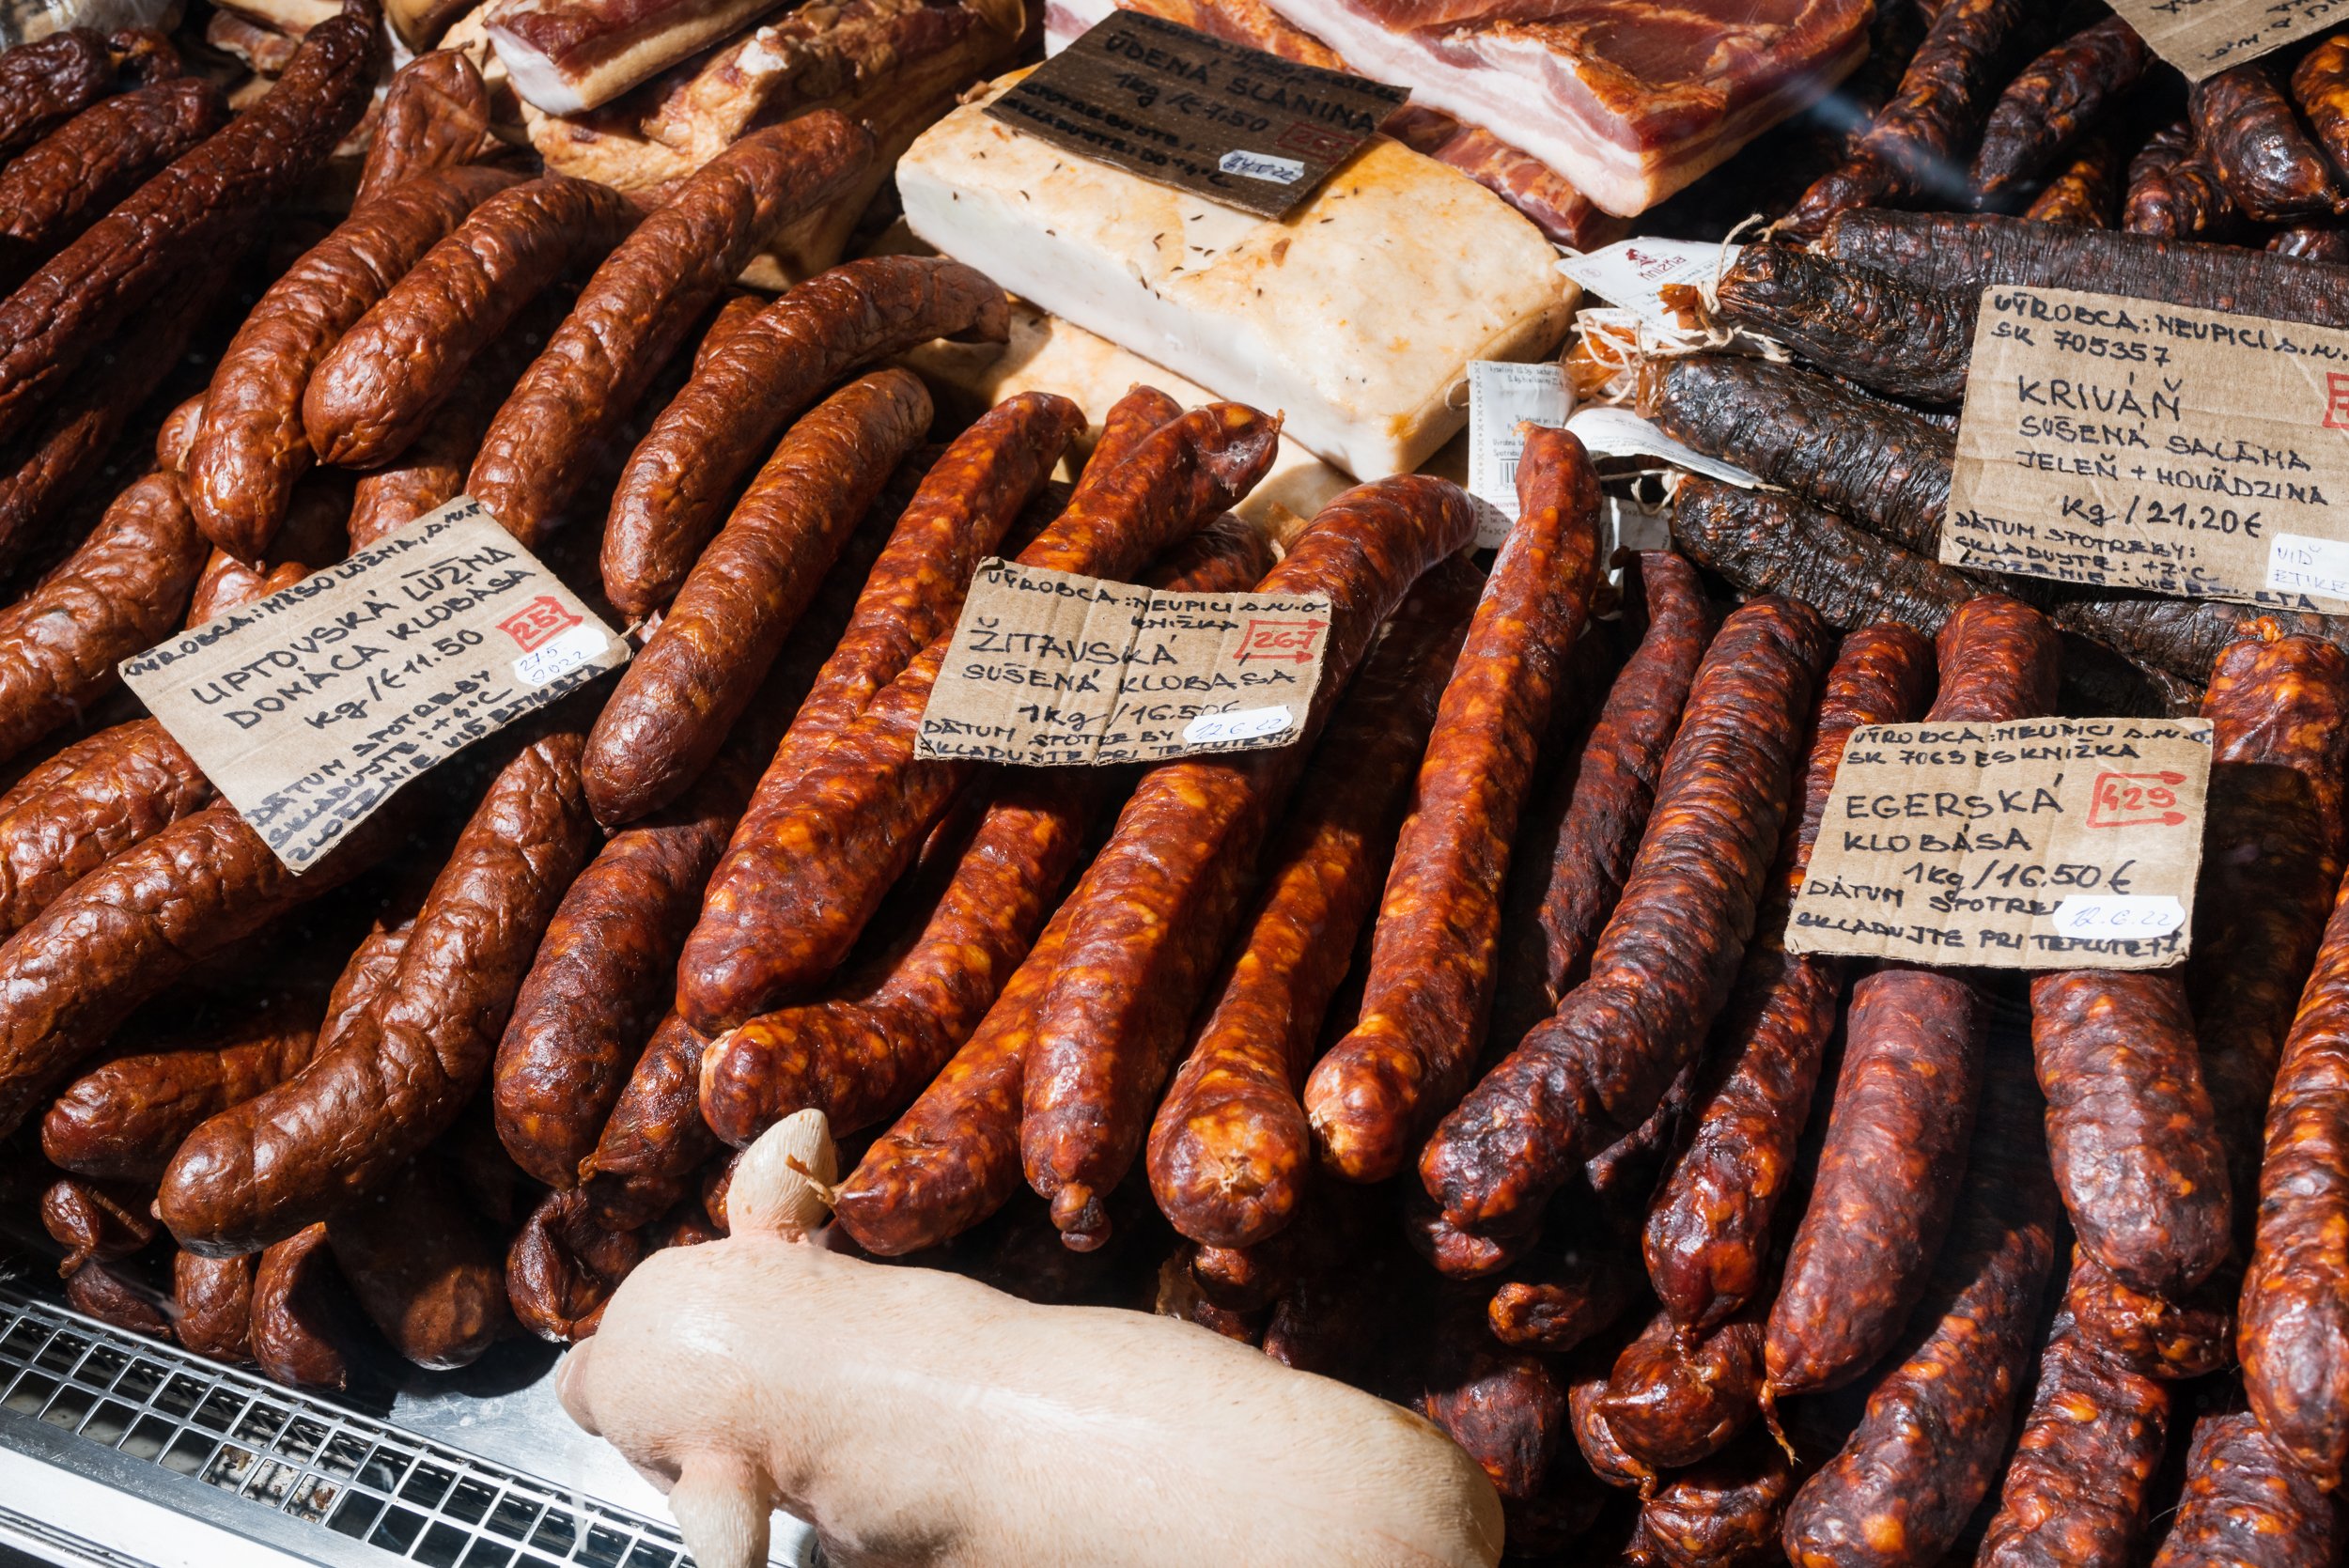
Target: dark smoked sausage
{"points": [[1429, 988], [2244, 125], [1666, 961], [2045, 108], [58, 187], [1709, 1232], [2247, 1504]]}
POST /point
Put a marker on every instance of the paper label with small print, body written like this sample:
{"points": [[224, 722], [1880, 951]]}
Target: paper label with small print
{"points": [[1504, 394], [308, 709], [1233, 124], [2045, 844], [2121, 444], [1053, 669], [1634, 274], [2203, 38]]}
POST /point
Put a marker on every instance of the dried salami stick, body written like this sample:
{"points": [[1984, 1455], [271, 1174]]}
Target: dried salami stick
{"points": [[2293, 1337], [2086, 191], [1880, 329], [1928, 1450], [2272, 857], [1230, 1148], [814, 856], [1154, 908], [2244, 125], [1429, 988], [71, 178], [212, 1305], [1598, 800], [260, 1171], [1933, 115], [1775, 544], [2248, 1504], [250, 447], [375, 388], [1665, 963], [2058, 95], [673, 490], [2076, 1490], [678, 698], [1864, 459], [184, 215], [2129, 1126], [1707, 1238], [637, 308], [43, 83], [435, 115]]}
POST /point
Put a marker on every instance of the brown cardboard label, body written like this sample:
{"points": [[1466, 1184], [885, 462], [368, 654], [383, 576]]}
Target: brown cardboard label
{"points": [[2203, 38], [1051, 669], [2121, 444], [2046, 844], [309, 708], [1222, 120]]}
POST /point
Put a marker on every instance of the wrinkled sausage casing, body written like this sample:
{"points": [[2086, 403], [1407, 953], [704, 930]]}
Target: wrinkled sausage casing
{"points": [[2247, 1504], [1430, 982]]}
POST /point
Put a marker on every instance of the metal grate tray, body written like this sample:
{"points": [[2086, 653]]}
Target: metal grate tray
{"points": [[289, 1470]]}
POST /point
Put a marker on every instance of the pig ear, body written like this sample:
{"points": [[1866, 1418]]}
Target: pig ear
{"points": [[721, 1503], [785, 1183]]}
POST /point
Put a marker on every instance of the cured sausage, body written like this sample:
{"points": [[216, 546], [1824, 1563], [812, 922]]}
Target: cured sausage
{"points": [[67, 180], [1932, 116], [341, 1127], [2076, 1490], [1864, 459], [115, 1298], [423, 1271], [95, 1219], [317, 534], [2293, 1337], [1429, 988], [1230, 1148], [2129, 1126], [1156, 906], [128, 789], [129, 929], [1880, 329], [634, 312], [2086, 191], [2320, 85], [1506, 1407], [1928, 1448], [656, 1142], [303, 1329], [602, 978], [1589, 1288], [45, 81], [678, 698], [2247, 1504], [435, 115], [1775, 544], [2323, 242], [1664, 965], [563, 1268], [2272, 855], [250, 447], [375, 388], [124, 1119], [1724, 1512], [1709, 1232], [814, 855], [671, 495], [212, 1305], [2157, 1337], [2044, 109], [183, 216], [1599, 799], [1672, 1402], [2244, 127], [117, 594], [1587, 1376]]}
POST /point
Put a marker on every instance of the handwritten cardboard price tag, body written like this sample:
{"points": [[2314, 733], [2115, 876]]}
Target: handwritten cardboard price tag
{"points": [[308, 709], [2042, 843], [1051, 669], [2203, 38]]}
